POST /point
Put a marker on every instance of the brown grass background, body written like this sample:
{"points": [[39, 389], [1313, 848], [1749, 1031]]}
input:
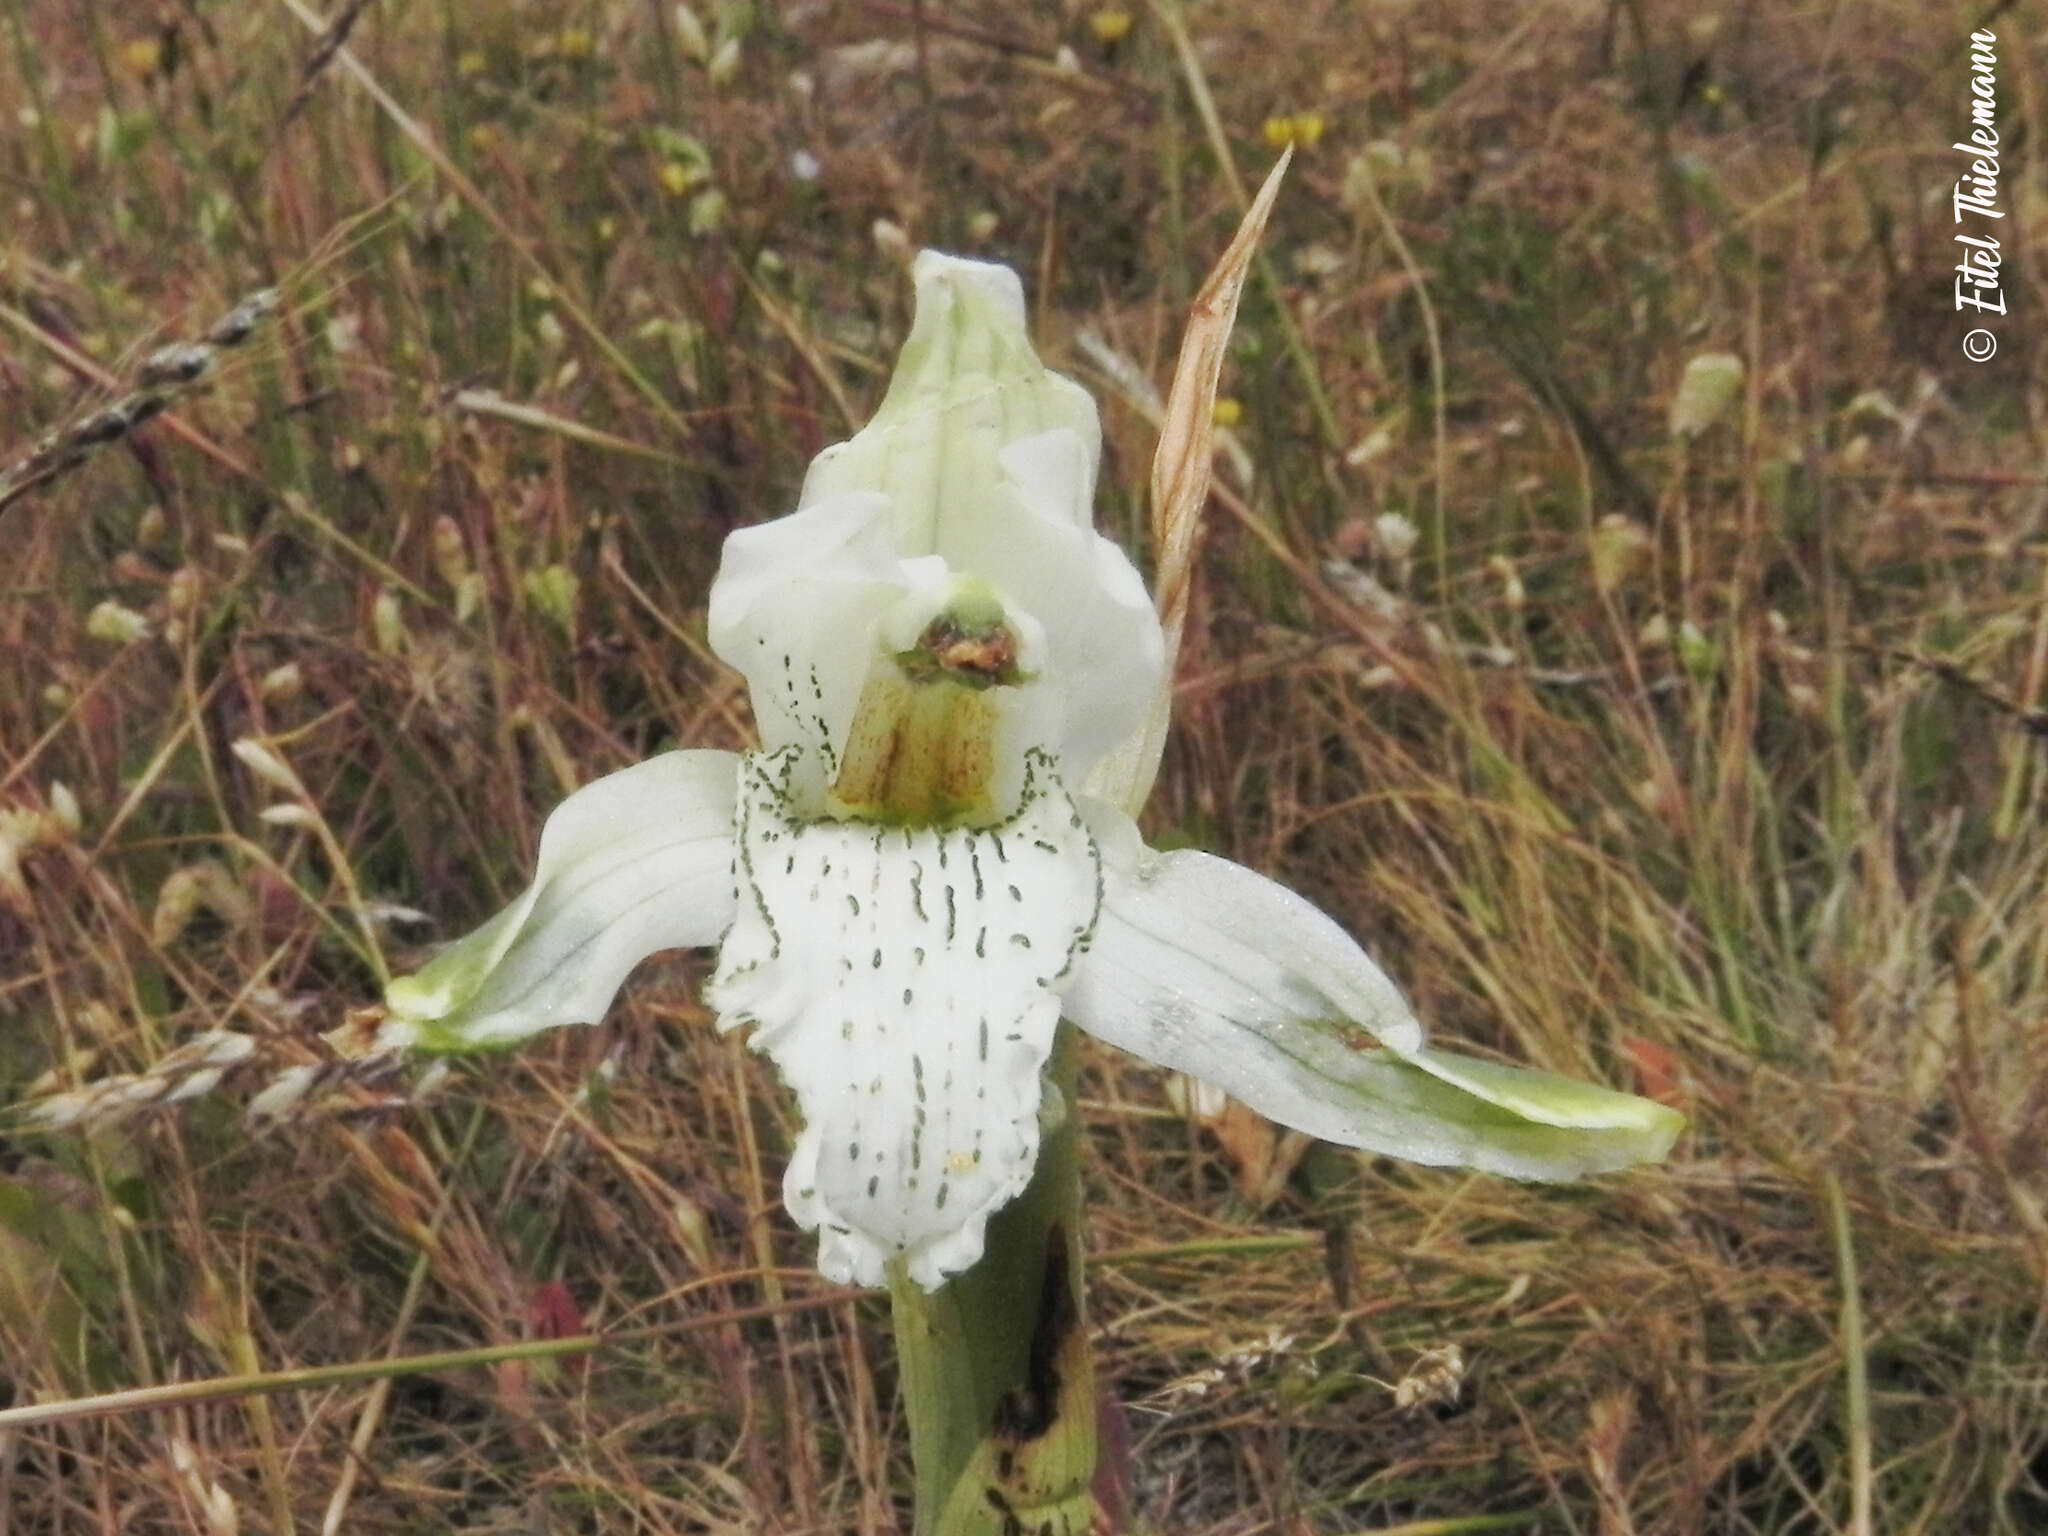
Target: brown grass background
{"points": [[1711, 767]]}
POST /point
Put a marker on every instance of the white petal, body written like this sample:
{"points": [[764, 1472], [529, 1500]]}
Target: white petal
{"points": [[1106, 656], [794, 609], [904, 980], [638, 861], [1201, 965]]}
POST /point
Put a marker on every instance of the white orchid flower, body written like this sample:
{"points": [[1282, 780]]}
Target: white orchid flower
{"points": [[908, 882]]}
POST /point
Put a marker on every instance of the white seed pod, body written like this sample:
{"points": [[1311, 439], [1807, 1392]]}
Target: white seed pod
{"points": [[691, 34], [724, 63], [181, 593], [451, 554], [59, 1112], [64, 809], [1705, 392], [116, 624], [222, 1047], [193, 1084], [387, 622], [282, 682], [285, 1090], [262, 761], [1394, 536], [204, 886], [892, 242]]}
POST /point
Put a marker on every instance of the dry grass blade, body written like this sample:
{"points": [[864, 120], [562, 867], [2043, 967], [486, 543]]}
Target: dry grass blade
{"points": [[1180, 477], [427, 145], [331, 42], [488, 402], [1187, 436], [313, 1377]]}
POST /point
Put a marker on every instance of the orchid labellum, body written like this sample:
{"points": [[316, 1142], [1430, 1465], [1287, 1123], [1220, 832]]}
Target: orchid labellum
{"points": [[928, 861]]}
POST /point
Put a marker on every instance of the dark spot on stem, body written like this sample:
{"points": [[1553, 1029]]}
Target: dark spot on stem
{"points": [[1029, 1409]]}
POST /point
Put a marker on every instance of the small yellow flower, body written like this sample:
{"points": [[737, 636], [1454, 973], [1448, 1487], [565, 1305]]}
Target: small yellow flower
{"points": [[1226, 412], [1304, 130], [1110, 25], [574, 43], [675, 178], [471, 63], [142, 57]]}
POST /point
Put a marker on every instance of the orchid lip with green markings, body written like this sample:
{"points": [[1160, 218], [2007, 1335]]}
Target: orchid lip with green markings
{"points": [[907, 883]]}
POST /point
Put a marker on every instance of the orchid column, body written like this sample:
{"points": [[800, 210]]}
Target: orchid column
{"points": [[929, 861]]}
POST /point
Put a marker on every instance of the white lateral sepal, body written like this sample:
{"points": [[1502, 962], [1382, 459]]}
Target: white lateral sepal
{"points": [[637, 861], [905, 982], [1201, 965]]}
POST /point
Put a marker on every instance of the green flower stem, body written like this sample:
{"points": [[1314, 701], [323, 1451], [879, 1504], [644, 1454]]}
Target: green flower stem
{"points": [[998, 1384]]}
